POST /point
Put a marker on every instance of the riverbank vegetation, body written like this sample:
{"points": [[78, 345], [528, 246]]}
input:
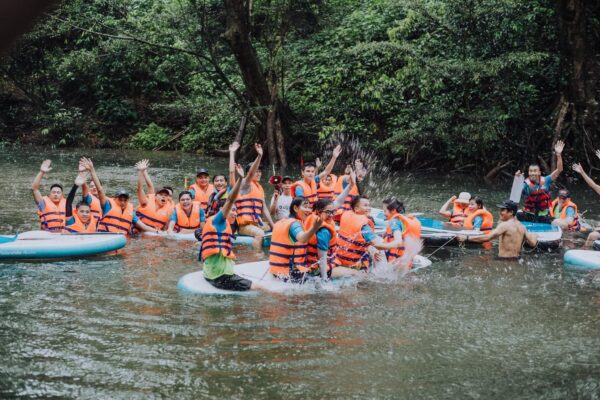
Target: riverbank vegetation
{"points": [[458, 84]]}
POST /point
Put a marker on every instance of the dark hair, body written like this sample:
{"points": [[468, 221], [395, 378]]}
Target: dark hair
{"points": [[218, 175], [478, 200], [309, 164], [321, 204], [169, 188], [397, 205], [296, 203], [534, 164], [58, 185], [81, 203], [356, 200], [388, 200], [184, 193]]}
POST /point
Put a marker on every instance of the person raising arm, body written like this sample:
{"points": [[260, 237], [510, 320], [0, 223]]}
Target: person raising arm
{"points": [[51, 208]]}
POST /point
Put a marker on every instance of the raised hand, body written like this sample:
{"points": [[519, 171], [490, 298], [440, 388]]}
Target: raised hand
{"points": [[239, 170], [86, 163], [318, 223], [352, 177], [259, 149], [142, 165], [337, 151], [453, 198], [558, 147], [318, 163], [233, 147], [81, 168], [577, 168], [518, 173], [598, 153], [347, 169], [80, 179], [45, 167]]}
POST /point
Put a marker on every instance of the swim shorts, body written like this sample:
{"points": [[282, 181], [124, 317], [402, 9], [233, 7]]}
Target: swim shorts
{"points": [[231, 282]]}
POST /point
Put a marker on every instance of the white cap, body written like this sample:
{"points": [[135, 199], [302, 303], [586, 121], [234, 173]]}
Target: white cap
{"points": [[463, 197]]}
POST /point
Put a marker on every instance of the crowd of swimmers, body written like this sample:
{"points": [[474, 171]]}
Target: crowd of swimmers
{"points": [[320, 225]]}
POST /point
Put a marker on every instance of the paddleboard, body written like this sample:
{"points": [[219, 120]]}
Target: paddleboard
{"points": [[240, 239], [596, 245], [583, 260], [517, 188], [41, 244]]}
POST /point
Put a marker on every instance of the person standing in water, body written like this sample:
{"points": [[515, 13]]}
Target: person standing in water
{"points": [[51, 208], [510, 231], [595, 235], [536, 190]]}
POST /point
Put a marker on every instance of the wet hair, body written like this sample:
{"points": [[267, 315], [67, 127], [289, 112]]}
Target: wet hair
{"points": [[309, 164], [184, 193], [297, 202], [478, 200], [58, 185], [395, 204], [321, 204], [80, 204], [217, 176], [356, 200]]}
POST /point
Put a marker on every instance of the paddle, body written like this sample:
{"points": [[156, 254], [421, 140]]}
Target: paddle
{"points": [[517, 188]]}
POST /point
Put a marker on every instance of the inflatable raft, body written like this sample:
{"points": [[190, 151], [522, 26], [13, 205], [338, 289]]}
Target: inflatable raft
{"points": [[240, 239], [582, 260], [194, 283], [41, 244]]}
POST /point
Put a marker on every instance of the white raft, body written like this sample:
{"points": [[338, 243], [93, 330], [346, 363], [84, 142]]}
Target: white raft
{"points": [[240, 239], [41, 244], [194, 283], [583, 260]]}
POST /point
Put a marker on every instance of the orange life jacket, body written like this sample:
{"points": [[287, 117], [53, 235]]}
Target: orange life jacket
{"points": [[185, 222], [117, 220], [153, 216], [78, 227], [412, 228], [249, 207], [327, 192], [312, 251], [215, 242], [538, 200], [574, 225], [284, 254], [488, 220], [201, 196], [95, 207], [460, 212], [338, 188], [352, 248], [53, 216], [310, 191]]}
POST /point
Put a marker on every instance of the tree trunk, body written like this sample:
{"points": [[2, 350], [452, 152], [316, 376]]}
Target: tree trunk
{"points": [[257, 87]]}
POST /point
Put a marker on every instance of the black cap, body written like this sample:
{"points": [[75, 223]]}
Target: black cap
{"points": [[202, 171], [122, 193], [165, 191], [288, 178], [564, 193], [509, 205]]}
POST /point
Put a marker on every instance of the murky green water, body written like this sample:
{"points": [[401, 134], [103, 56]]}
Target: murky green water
{"points": [[470, 326]]}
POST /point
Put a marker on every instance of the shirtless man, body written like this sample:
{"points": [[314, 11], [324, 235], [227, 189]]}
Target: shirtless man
{"points": [[510, 231]]}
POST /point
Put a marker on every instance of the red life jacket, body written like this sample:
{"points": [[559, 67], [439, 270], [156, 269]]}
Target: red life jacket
{"points": [[538, 199]]}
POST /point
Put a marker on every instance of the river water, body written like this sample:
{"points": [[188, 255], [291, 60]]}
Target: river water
{"points": [[470, 326]]}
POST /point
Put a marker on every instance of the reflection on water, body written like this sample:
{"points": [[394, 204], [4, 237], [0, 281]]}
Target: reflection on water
{"points": [[470, 326]]}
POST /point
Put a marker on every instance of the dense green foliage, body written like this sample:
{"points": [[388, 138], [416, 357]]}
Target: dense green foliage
{"points": [[434, 82]]}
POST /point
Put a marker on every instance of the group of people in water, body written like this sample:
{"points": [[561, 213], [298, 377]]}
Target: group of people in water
{"points": [[320, 225]]}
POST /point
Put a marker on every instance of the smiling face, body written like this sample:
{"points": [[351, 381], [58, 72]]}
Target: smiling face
{"points": [[83, 211], [202, 180], [363, 207], [122, 201], [389, 213], [257, 176], [186, 201], [308, 173], [534, 173], [328, 180], [232, 215], [220, 182], [56, 194], [473, 205], [302, 210], [505, 214], [93, 188], [327, 213]]}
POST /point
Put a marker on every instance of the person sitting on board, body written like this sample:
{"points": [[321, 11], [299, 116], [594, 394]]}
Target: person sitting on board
{"points": [[282, 198], [536, 190], [288, 258], [400, 227], [307, 186], [251, 206], [90, 197], [460, 208], [154, 209], [595, 235], [510, 231], [202, 188], [117, 212], [187, 215], [564, 212], [357, 242], [216, 251], [478, 218], [82, 221], [51, 208]]}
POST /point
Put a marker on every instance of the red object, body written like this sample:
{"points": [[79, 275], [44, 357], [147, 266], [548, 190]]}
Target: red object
{"points": [[275, 180]]}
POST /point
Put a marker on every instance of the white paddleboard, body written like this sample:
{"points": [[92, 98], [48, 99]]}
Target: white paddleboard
{"points": [[517, 188], [587, 260]]}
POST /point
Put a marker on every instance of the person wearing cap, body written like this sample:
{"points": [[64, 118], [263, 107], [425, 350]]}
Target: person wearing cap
{"points": [[510, 232], [154, 209], [282, 198], [250, 205], [51, 208], [460, 208], [202, 189], [307, 187], [117, 212], [595, 235], [536, 190], [564, 212]]}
